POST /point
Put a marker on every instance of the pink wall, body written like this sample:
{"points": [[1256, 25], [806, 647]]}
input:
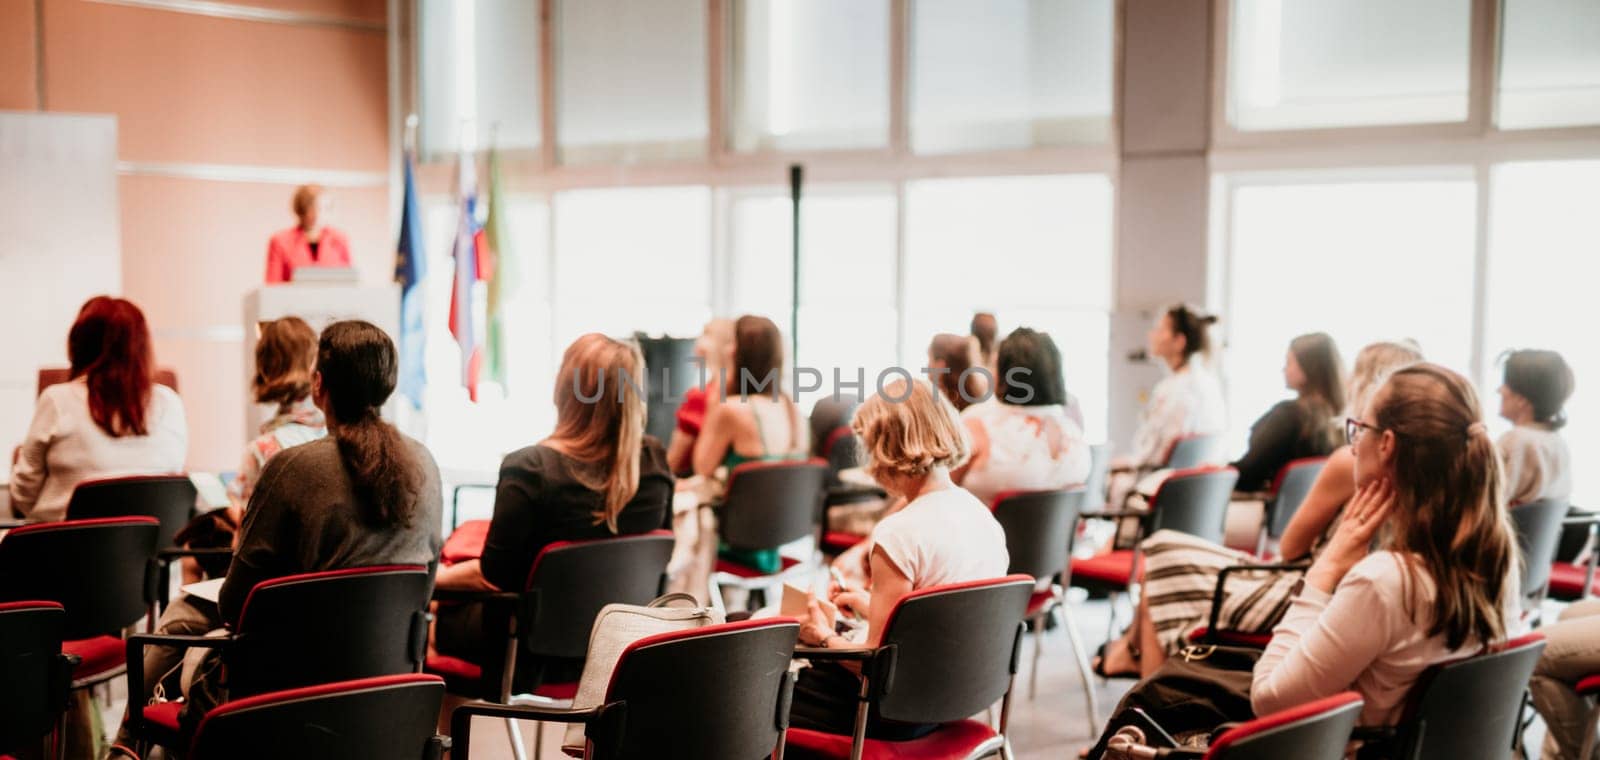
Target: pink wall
{"points": [[244, 97]]}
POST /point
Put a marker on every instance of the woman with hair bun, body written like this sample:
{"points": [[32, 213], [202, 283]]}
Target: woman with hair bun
{"points": [[1188, 401], [1534, 390]]}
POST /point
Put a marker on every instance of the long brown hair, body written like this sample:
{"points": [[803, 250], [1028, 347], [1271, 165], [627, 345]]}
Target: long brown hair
{"points": [[1450, 515], [109, 346], [286, 351], [600, 415], [1323, 394], [959, 354], [358, 367], [758, 351]]}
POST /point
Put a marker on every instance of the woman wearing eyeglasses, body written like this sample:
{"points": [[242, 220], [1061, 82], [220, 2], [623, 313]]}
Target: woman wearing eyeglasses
{"points": [[1181, 570]]}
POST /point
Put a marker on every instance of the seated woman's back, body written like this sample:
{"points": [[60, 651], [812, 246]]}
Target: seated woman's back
{"points": [[752, 419], [365, 495], [110, 420], [1303, 427]]}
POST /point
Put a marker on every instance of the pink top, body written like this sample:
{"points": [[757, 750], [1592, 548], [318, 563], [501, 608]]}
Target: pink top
{"points": [[290, 250]]}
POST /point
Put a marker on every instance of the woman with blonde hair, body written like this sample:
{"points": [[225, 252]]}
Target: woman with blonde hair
{"points": [[944, 534], [597, 475], [286, 355]]}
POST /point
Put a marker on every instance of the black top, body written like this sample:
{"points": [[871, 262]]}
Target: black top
{"points": [[304, 517], [1277, 439], [540, 501]]}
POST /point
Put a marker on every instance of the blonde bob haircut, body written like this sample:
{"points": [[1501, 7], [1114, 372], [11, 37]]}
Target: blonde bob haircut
{"points": [[907, 429]]}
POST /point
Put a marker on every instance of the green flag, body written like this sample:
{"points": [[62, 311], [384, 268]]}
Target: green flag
{"points": [[502, 278]]}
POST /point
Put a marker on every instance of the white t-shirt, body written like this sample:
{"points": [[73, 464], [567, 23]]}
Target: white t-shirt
{"points": [[1537, 465], [1186, 402], [65, 447], [1031, 448], [946, 536]]}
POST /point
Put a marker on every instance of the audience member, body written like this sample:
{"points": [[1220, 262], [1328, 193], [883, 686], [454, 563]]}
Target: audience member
{"points": [[1571, 653], [1021, 437], [286, 355], [1302, 427], [598, 475], [711, 349], [1181, 570], [944, 534], [1442, 584], [364, 495], [1535, 387], [985, 329], [110, 419], [957, 370], [1188, 401]]}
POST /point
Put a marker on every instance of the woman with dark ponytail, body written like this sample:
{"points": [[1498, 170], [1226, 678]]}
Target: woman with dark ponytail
{"points": [[364, 495]]}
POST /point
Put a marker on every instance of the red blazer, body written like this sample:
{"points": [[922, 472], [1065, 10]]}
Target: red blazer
{"points": [[289, 250]]}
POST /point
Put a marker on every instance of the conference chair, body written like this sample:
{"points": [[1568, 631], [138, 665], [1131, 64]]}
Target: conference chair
{"points": [[1193, 501], [1215, 631], [946, 653], [1538, 526], [1289, 490], [1193, 450], [1317, 730], [1039, 526], [99, 571], [1570, 581], [552, 617], [1470, 707], [168, 498], [297, 631], [380, 718], [711, 692], [767, 505], [842, 450], [33, 693], [1094, 487]]}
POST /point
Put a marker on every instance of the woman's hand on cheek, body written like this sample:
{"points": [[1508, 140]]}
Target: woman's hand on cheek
{"points": [[1367, 512]]}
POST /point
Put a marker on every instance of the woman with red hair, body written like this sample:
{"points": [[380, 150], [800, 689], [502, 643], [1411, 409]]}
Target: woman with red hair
{"points": [[110, 419]]}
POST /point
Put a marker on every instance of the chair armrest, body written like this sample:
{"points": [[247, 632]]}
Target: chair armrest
{"points": [[135, 657], [1265, 496], [167, 555], [835, 655], [1113, 514], [467, 595], [1220, 591], [1591, 520], [1374, 733], [461, 718], [7, 523]]}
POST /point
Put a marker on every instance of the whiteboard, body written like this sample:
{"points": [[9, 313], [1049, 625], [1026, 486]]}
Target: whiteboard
{"points": [[60, 243]]}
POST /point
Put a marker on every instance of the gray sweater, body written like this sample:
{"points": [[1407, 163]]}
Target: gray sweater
{"points": [[303, 517]]}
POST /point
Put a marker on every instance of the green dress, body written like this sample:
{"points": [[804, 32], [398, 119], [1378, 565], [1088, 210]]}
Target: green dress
{"points": [[766, 561]]}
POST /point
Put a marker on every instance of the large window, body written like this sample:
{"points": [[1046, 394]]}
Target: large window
{"points": [[1034, 250], [811, 75], [1337, 63], [1010, 73], [1549, 63], [1544, 238], [479, 71], [630, 80], [1358, 258]]}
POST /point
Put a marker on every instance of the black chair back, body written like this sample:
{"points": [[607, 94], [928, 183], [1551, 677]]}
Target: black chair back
{"points": [[1293, 486], [842, 449], [736, 672], [1471, 707], [168, 498], [99, 570], [1191, 451], [1094, 488], [385, 718], [1573, 537], [1317, 730], [1194, 502], [769, 504], [951, 651], [1538, 526], [573, 580], [1039, 527], [34, 690], [337, 625]]}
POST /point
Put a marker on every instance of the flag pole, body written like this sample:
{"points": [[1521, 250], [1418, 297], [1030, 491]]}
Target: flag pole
{"points": [[796, 176]]}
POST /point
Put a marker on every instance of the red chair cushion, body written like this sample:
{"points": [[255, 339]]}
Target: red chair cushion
{"points": [[100, 655], [164, 716], [1040, 602], [459, 675], [1566, 581], [1112, 568], [745, 571], [837, 541], [1590, 685], [466, 542], [959, 739]]}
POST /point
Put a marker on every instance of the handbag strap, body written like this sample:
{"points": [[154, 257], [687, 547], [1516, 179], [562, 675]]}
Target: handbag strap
{"points": [[666, 600]]}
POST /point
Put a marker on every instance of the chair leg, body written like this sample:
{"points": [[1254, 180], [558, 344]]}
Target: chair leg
{"points": [[538, 740], [514, 732], [714, 590], [1038, 654], [1081, 655]]}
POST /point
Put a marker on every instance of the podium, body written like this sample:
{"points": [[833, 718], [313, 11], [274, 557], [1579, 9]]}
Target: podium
{"points": [[319, 304]]}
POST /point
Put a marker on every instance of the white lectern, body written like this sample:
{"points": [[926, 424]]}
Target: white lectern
{"points": [[319, 304]]}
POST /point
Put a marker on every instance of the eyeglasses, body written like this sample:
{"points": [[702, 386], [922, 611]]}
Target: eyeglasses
{"points": [[1353, 428]]}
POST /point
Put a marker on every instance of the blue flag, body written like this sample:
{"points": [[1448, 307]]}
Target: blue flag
{"points": [[410, 267]]}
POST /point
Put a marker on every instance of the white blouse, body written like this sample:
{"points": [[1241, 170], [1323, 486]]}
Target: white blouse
{"points": [[1360, 638], [945, 536], [1031, 448], [1537, 465], [1186, 402], [65, 447]]}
